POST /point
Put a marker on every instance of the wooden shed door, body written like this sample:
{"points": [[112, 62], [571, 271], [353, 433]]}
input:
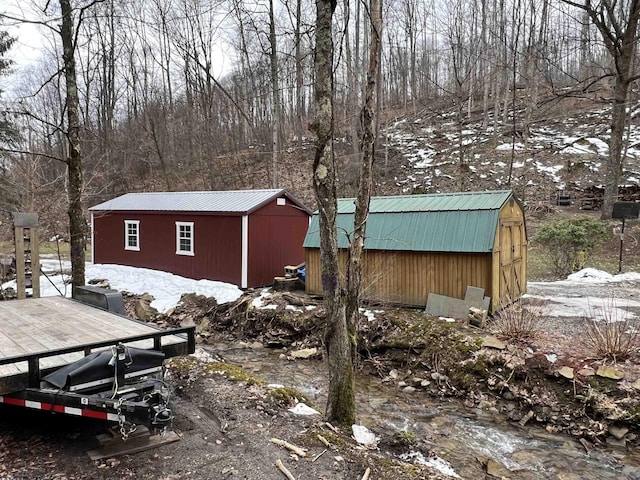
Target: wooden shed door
{"points": [[511, 234]]}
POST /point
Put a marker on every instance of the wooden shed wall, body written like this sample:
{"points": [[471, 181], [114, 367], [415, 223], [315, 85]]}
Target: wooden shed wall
{"points": [[276, 234], [509, 256], [217, 244], [408, 277]]}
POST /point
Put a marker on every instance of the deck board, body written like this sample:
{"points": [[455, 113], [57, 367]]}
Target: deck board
{"points": [[39, 325]]}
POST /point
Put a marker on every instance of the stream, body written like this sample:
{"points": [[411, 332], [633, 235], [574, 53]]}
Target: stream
{"points": [[460, 437]]}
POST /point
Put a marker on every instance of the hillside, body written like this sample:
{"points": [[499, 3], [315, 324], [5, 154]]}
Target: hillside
{"points": [[434, 151]]}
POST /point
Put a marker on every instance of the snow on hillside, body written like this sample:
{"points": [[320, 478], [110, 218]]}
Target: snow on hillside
{"points": [[559, 153]]}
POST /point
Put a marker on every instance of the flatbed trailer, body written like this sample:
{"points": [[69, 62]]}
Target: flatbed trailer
{"points": [[43, 341]]}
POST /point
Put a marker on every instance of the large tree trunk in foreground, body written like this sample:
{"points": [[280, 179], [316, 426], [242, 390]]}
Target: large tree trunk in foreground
{"points": [[77, 225], [339, 343]]}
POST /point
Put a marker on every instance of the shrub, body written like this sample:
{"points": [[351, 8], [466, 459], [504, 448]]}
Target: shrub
{"points": [[611, 337], [571, 241], [519, 322]]}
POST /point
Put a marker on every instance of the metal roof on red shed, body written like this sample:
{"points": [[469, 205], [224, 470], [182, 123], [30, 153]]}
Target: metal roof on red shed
{"points": [[230, 201]]}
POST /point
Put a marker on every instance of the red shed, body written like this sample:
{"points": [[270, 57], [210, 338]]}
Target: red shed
{"points": [[244, 237]]}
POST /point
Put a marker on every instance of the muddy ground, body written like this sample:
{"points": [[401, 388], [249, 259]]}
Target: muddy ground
{"points": [[226, 419]]}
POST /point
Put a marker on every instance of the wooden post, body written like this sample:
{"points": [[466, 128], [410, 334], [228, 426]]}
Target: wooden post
{"points": [[27, 253]]}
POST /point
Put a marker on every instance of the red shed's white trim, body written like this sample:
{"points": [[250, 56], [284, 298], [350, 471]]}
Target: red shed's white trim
{"points": [[245, 251]]}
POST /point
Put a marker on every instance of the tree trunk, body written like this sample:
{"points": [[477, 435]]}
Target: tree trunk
{"points": [[369, 130], [77, 226], [619, 37], [275, 90], [341, 399]]}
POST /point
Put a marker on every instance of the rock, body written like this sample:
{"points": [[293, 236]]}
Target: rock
{"points": [[203, 326], [477, 317], [508, 395], [614, 442], [636, 384], [305, 353], [566, 372], [610, 372], [393, 373], [144, 311], [618, 432], [425, 383], [257, 346], [147, 298], [409, 389], [586, 372], [526, 418], [492, 342], [497, 470], [485, 405], [439, 377], [187, 322]]}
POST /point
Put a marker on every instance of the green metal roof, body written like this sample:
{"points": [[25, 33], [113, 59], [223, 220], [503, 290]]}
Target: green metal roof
{"points": [[451, 222]]}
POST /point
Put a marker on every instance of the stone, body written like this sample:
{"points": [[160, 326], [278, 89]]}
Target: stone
{"points": [[203, 326], [636, 384], [586, 372], [610, 372], [618, 432], [305, 353], [409, 389], [393, 373], [439, 377], [144, 311], [497, 470], [614, 442], [477, 317], [566, 372], [147, 297], [492, 342], [255, 345], [187, 322], [523, 421]]}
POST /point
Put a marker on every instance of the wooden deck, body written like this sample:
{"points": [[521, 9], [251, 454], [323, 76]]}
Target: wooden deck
{"points": [[40, 325]]}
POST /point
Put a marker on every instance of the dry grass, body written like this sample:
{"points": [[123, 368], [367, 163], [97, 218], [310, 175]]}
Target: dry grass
{"points": [[612, 338], [520, 322]]}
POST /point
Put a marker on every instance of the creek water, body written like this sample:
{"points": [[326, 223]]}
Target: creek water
{"points": [[459, 436]]}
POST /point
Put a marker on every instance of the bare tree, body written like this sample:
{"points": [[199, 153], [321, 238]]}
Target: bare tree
{"points": [[617, 22], [342, 295]]}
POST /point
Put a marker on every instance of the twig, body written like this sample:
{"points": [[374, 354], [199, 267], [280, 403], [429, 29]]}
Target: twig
{"points": [[323, 440], [319, 455], [332, 427], [284, 470], [367, 472], [297, 450]]}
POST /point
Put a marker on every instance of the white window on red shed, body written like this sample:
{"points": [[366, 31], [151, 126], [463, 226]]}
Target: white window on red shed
{"points": [[184, 238], [132, 235]]}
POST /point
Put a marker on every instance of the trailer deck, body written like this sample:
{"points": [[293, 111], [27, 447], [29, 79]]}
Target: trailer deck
{"points": [[43, 334]]}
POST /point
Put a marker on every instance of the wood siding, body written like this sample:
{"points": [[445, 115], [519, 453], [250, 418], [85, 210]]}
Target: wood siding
{"points": [[217, 244], [408, 277], [274, 240], [509, 256], [276, 234]]}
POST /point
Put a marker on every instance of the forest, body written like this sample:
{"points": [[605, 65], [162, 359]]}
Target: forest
{"points": [[218, 94]]}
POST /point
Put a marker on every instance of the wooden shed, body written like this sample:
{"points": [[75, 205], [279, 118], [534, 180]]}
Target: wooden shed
{"points": [[421, 244], [244, 237]]}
